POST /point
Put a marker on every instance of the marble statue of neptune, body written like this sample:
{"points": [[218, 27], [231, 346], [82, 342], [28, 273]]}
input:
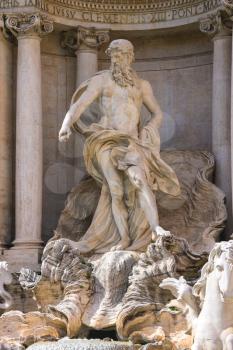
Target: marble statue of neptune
{"points": [[122, 157]]}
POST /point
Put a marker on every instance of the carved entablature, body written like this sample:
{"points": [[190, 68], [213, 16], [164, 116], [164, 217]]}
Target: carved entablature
{"points": [[137, 14], [89, 38], [28, 23]]}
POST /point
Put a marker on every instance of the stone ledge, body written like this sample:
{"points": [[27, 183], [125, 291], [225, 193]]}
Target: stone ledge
{"points": [[84, 344], [22, 257]]}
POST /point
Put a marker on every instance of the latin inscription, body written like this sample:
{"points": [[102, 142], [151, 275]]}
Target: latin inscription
{"points": [[115, 18]]}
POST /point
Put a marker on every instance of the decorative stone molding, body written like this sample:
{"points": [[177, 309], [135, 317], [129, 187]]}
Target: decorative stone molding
{"points": [[88, 37], [6, 34], [91, 37], [25, 23], [228, 3], [228, 7], [141, 14], [216, 24], [210, 24], [69, 40], [129, 5]]}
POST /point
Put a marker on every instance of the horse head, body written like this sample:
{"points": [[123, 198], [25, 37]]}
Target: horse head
{"points": [[223, 266]]}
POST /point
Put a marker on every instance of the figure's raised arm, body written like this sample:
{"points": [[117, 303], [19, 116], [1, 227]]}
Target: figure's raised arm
{"points": [[74, 113], [151, 104]]}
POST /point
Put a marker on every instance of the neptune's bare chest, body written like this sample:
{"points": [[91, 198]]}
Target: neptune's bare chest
{"points": [[115, 94]]}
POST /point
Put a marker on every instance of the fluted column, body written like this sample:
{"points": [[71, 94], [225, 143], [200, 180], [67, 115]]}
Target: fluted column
{"points": [[221, 104], [28, 29], [6, 140]]}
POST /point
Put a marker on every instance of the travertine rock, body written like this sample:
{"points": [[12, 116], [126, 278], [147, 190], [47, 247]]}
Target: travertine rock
{"points": [[79, 209], [146, 315], [120, 289], [26, 329], [198, 215], [110, 273], [64, 268], [62, 293], [202, 217]]}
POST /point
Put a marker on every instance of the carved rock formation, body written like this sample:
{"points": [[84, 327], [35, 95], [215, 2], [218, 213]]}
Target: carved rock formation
{"points": [[145, 315], [198, 215], [120, 289], [62, 293], [110, 275]]}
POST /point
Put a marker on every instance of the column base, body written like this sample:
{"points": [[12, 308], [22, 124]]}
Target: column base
{"points": [[21, 256], [17, 244]]}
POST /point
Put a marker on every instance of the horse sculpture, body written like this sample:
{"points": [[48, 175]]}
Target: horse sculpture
{"points": [[5, 278], [209, 304]]}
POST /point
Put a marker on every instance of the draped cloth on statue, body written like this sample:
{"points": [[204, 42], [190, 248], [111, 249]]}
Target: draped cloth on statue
{"points": [[124, 151]]}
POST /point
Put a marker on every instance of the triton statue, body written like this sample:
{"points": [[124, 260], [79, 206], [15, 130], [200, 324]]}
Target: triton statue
{"points": [[122, 157]]}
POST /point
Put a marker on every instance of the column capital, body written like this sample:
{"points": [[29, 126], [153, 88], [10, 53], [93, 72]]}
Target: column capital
{"points": [[216, 25], [5, 34], [91, 37], [84, 38], [227, 3], [28, 24]]}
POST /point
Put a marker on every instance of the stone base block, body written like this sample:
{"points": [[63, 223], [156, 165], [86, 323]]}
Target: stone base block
{"points": [[84, 344], [22, 257]]}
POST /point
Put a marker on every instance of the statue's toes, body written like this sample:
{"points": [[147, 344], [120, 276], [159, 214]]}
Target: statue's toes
{"points": [[122, 245]]}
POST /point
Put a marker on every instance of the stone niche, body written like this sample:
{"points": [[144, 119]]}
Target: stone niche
{"points": [[150, 297], [179, 67], [170, 52]]}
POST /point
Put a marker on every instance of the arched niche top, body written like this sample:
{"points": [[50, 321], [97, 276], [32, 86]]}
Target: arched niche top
{"points": [[117, 14]]}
